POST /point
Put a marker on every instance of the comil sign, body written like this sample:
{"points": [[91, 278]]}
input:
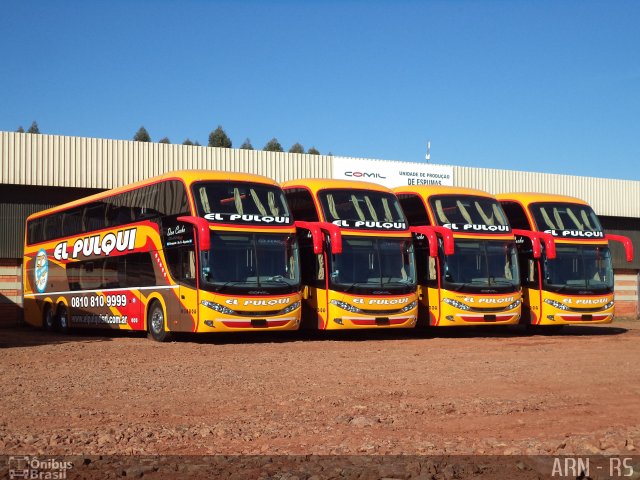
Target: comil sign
{"points": [[392, 174]]}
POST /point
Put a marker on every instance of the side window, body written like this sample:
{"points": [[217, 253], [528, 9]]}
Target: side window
{"points": [[34, 231], [72, 222], [426, 266], [90, 274], [93, 216], [140, 271], [173, 198], [308, 259], [414, 209], [182, 264], [301, 204], [516, 215]]}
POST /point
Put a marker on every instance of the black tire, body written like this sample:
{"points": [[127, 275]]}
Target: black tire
{"points": [[62, 318], [156, 322], [49, 321]]}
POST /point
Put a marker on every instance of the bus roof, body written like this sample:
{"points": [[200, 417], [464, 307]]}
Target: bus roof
{"points": [[527, 198], [187, 176], [426, 191], [317, 184]]}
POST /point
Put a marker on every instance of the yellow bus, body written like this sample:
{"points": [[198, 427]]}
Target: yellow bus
{"points": [[571, 281], [188, 251], [356, 253], [466, 256]]}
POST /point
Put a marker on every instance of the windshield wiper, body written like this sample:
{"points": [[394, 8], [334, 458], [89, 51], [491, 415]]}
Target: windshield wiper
{"points": [[350, 287], [228, 284]]}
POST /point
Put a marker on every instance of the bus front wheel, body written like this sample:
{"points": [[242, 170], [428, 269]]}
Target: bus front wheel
{"points": [[155, 322]]}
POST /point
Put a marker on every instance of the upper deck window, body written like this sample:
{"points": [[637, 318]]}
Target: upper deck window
{"points": [[566, 219], [360, 206], [242, 202], [467, 210]]}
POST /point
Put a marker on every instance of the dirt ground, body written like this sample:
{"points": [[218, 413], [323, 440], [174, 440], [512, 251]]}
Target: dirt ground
{"points": [[443, 392]]}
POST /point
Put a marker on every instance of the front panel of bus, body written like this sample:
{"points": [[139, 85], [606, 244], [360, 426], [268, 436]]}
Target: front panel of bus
{"points": [[371, 283], [577, 285], [479, 284], [249, 277]]}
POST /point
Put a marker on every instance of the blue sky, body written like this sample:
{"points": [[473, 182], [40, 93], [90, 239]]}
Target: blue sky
{"points": [[541, 86]]}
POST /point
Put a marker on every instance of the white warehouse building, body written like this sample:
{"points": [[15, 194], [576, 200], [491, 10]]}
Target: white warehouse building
{"points": [[40, 171]]}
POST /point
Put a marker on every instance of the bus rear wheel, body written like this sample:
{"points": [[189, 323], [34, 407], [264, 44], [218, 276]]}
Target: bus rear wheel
{"points": [[62, 318], [49, 319], [156, 322]]}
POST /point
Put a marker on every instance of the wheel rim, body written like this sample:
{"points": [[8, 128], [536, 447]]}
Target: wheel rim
{"points": [[157, 321], [63, 319]]}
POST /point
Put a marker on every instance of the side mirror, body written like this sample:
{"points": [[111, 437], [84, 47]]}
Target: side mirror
{"points": [[202, 227]]}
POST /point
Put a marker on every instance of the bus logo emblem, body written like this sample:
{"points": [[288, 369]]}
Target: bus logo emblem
{"points": [[41, 270]]}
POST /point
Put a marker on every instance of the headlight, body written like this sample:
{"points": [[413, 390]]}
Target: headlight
{"points": [[558, 305], [456, 304], [411, 306], [513, 305], [290, 308], [608, 305], [217, 307], [345, 306]]}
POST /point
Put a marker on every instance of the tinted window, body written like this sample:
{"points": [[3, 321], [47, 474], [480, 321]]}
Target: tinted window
{"points": [[362, 205], [72, 222], [301, 204], [140, 272], [93, 216], [414, 209], [516, 215], [565, 216], [467, 210], [182, 264]]}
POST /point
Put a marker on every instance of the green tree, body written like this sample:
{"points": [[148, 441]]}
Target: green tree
{"points": [[20, 129], [142, 135], [313, 151], [218, 138], [196, 144], [164, 140], [296, 148], [33, 128], [187, 142], [246, 145], [273, 145]]}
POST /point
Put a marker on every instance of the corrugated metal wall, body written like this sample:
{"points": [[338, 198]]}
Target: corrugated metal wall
{"points": [[54, 160], [617, 198], [11, 239]]}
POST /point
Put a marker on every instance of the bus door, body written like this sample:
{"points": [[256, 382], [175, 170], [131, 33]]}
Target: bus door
{"points": [[530, 264], [313, 276], [317, 242], [180, 253], [426, 251]]}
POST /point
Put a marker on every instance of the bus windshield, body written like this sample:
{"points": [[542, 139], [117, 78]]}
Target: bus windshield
{"points": [[371, 265], [481, 267], [584, 269], [251, 263], [468, 210]]}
